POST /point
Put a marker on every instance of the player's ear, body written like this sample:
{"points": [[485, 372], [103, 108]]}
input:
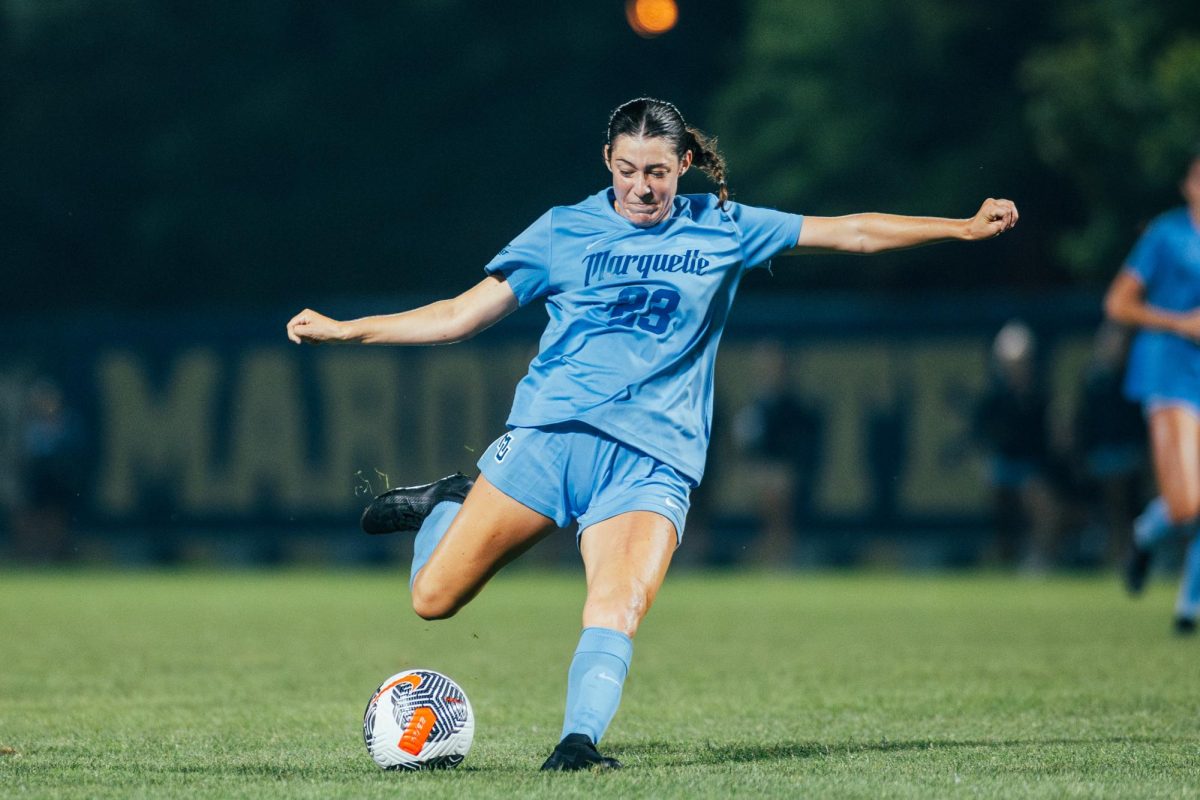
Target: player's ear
{"points": [[607, 160], [685, 162]]}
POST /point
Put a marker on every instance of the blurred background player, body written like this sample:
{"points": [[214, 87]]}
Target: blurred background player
{"points": [[1158, 291], [1010, 423], [610, 426], [1109, 444], [780, 434], [51, 441]]}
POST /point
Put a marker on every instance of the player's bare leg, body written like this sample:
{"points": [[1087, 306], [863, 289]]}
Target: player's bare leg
{"points": [[1175, 449], [1176, 432], [1175, 443], [490, 530], [625, 558]]}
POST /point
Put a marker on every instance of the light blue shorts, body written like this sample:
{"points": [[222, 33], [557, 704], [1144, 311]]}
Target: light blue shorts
{"points": [[573, 472], [1159, 402]]}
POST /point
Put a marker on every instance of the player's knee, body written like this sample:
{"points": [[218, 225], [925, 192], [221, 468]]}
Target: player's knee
{"points": [[618, 610], [430, 603]]}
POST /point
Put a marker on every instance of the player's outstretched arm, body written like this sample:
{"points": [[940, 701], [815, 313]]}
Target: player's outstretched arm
{"points": [[878, 233], [1126, 303], [443, 322]]}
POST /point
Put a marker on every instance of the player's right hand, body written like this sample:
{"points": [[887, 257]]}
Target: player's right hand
{"points": [[313, 328]]}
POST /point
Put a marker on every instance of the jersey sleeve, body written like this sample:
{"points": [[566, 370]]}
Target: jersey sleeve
{"points": [[1144, 259], [525, 262], [764, 232]]}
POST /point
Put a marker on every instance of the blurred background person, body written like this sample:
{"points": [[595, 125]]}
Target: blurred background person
{"points": [[706, 519], [1158, 291], [779, 434], [888, 437], [1109, 441], [50, 445], [1010, 424]]}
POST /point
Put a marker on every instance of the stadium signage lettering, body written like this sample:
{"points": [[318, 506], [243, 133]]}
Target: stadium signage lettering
{"points": [[270, 433], [265, 433]]}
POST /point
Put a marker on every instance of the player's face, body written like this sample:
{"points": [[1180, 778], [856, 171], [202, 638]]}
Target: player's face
{"points": [[1191, 185], [645, 177]]}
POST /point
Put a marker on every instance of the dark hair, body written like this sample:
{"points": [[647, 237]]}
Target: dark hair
{"points": [[650, 118]]}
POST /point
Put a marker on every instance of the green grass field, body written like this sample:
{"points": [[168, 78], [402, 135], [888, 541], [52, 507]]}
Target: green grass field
{"points": [[252, 685]]}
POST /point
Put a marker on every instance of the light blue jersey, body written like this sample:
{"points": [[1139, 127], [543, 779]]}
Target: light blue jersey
{"points": [[1163, 366], [636, 315]]}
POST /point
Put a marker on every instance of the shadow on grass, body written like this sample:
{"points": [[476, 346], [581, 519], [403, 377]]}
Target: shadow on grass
{"points": [[675, 754], [359, 769]]}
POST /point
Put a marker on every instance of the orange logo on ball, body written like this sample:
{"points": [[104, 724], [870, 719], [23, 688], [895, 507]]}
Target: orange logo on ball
{"points": [[418, 730]]}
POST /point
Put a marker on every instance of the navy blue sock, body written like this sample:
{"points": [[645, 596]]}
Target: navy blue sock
{"points": [[595, 680], [432, 530]]}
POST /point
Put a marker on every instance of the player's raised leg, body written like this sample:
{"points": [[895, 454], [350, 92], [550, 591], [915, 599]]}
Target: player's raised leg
{"points": [[625, 558], [459, 549]]}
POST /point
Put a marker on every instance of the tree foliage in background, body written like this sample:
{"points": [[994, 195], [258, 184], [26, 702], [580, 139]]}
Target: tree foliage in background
{"points": [[1083, 112], [155, 153], [839, 106], [158, 153], [1114, 104]]}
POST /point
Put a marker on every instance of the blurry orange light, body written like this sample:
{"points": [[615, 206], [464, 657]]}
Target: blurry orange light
{"points": [[650, 18]]}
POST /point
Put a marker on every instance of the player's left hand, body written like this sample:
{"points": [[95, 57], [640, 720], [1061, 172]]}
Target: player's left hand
{"points": [[993, 218]]}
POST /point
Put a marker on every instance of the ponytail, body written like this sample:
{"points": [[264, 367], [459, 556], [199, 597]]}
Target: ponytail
{"points": [[709, 160]]}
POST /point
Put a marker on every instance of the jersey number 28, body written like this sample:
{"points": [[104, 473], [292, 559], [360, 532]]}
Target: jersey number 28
{"points": [[637, 306]]}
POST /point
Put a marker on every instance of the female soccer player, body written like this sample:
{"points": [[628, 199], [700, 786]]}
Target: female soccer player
{"points": [[1158, 290], [609, 427]]}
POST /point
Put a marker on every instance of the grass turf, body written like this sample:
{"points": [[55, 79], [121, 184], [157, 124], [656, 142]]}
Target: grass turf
{"points": [[253, 685]]}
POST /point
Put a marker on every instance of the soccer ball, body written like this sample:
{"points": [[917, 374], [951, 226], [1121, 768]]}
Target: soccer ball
{"points": [[418, 719]]}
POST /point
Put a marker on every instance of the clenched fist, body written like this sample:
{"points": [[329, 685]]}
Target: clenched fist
{"points": [[993, 218], [313, 328]]}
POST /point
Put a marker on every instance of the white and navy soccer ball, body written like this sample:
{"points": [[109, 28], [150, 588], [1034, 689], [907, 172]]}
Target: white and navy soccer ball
{"points": [[418, 719]]}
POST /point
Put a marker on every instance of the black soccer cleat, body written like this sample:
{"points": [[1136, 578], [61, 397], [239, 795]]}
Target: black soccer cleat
{"points": [[1185, 626], [406, 507], [575, 752], [1137, 567]]}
